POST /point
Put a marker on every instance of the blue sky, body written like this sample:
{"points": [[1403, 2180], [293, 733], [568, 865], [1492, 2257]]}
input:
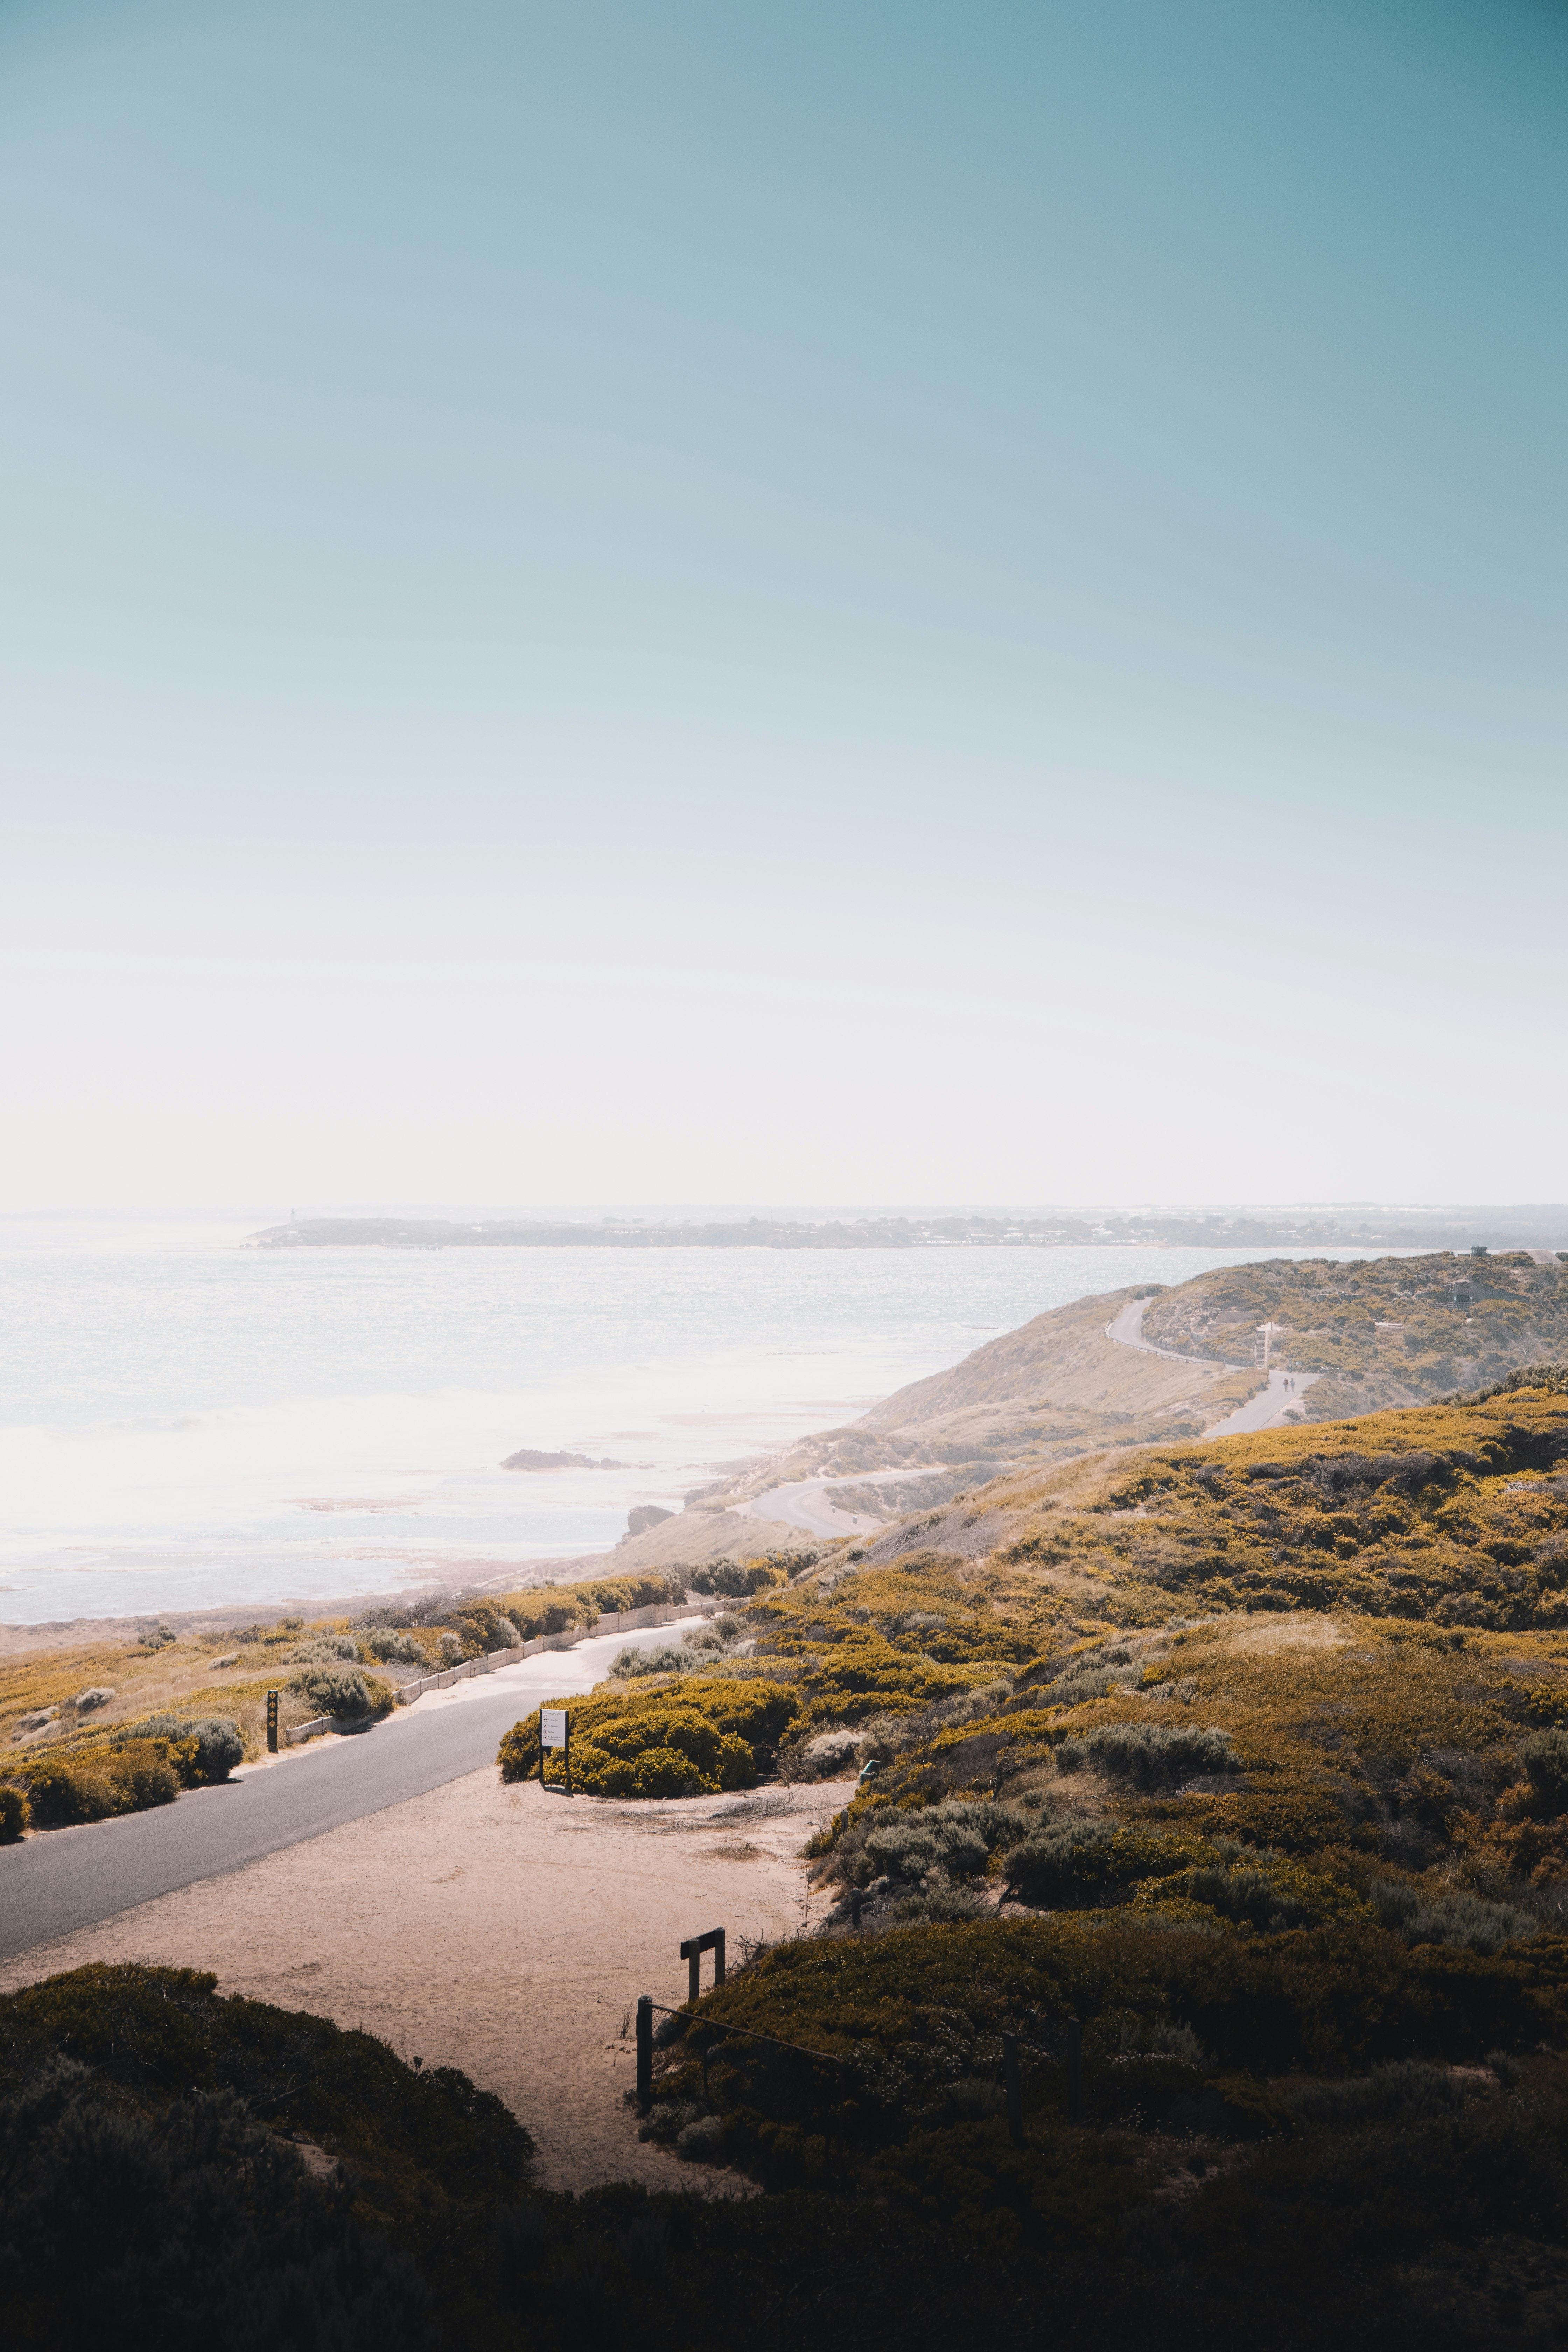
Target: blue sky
{"points": [[815, 603]]}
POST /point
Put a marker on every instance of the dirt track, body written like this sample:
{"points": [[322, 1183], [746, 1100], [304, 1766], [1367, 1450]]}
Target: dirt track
{"points": [[498, 1929]]}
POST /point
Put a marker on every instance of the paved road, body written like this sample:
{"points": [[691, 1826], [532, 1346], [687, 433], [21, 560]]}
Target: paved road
{"points": [[1271, 1408], [52, 1884], [1275, 1407], [803, 1504]]}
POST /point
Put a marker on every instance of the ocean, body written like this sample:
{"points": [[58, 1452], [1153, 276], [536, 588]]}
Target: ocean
{"points": [[185, 1423]]}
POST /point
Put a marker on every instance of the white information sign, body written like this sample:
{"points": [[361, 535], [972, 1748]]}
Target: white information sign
{"points": [[552, 1727]]}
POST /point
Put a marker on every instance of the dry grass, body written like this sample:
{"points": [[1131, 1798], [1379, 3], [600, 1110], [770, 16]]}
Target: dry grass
{"points": [[184, 1677]]}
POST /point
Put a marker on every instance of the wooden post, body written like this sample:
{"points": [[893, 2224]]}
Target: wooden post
{"points": [[645, 2053], [542, 1748], [566, 1756], [1074, 2069], [272, 1723], [692, 1952], [1014, 2088]]}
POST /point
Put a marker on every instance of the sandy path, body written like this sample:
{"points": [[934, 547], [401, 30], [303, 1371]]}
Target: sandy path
{"points": [[498, 1929]]}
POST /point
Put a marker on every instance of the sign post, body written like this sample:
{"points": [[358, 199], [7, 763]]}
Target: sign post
{"points": [[272, 1723], [556, 1731]]}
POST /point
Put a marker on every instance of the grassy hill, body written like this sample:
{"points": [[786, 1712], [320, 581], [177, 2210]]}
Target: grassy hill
{"points": [[1388, 1333], [1230, 1777], [1056, 1388], [1393, 1331]]}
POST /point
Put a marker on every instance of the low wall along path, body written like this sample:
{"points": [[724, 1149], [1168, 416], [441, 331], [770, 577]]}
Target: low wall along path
{"points": [[614, 1620]]}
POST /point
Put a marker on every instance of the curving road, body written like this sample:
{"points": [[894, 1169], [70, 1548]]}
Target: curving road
{"points": [[66, 1879], [1272, 1408], [804, 1503]]}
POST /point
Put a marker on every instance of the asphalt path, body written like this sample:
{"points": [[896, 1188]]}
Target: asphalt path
{"points": [[1271, 1408], [1277, 1406], [54, 1884], [803, 1504]]}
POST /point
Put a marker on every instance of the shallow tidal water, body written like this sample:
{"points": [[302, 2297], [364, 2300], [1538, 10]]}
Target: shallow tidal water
{"points": [[185, 1422]]}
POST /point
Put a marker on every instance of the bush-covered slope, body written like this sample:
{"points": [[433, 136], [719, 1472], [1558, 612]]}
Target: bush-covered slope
{"points": [[1390, 1331], [1234, 1786], [153, 2192]]}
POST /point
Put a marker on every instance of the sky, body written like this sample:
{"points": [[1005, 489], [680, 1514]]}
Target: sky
{"points": [[841, 601]]}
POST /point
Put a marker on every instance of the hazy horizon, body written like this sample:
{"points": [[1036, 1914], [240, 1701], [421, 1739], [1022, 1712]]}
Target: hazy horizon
{"points": [[688, 1212]]}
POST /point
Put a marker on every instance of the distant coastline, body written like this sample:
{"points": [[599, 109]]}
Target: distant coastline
{"points": [[1541, 1227]]}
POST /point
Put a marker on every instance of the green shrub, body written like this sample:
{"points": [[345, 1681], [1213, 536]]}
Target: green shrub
{"points": [[661, 1752], [1079, 1865], [1387, 2190], [342, 1690], [1405, 2092], [1056, 2196], [728, 1579], [393, 1648], [325, 1649], [551, 1608], [1442, 1916], [1545, 1756], [141, 1768], [631, 1664], [956, 1838], [61, 1794], [715, 1725], [1266, 1894], [194, 2224], [669, 1772], [912, 2010], [1148, 1754], [155, 2030], [16, 1814], [203, 1749]]}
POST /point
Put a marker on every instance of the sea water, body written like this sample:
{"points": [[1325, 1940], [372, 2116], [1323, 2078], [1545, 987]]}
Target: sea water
{"points": [[186, 1422]]}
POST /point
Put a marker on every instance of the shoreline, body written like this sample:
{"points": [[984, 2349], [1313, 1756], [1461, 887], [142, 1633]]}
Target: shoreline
{"points": [[707, 1535]]}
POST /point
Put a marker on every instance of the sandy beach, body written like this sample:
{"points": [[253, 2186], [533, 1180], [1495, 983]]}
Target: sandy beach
{"points": [[503, 1930]]}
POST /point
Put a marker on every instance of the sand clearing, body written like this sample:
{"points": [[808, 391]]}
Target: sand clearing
{"points": [[498, 1929]]}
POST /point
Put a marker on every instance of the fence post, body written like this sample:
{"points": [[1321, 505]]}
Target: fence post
{"points": [[1014, 2088], [1074, 2069], [692, 1952], [645, 2053]]}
